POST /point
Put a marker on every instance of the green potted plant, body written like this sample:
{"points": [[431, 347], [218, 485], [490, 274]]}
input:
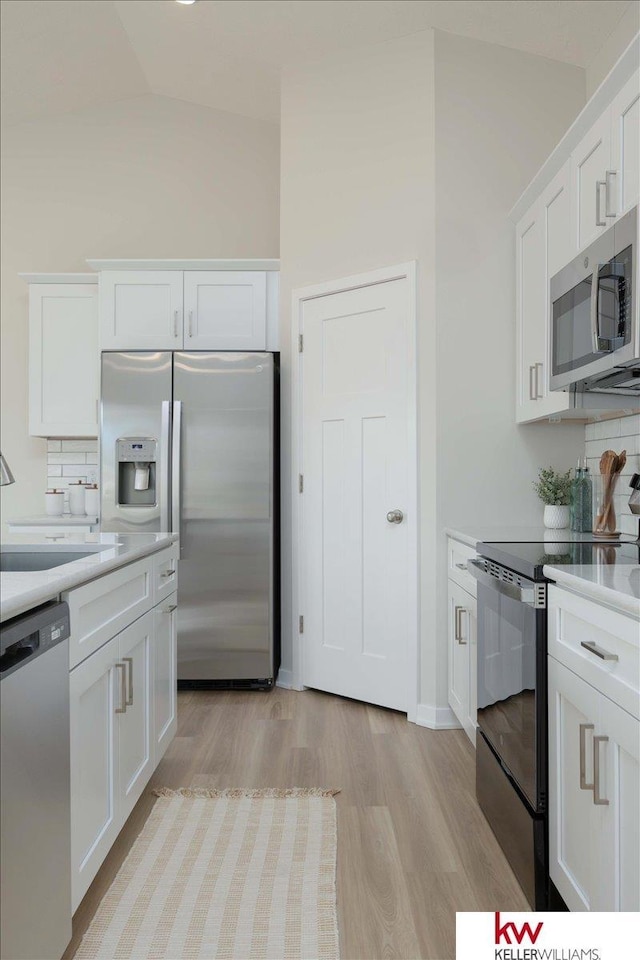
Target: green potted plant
{"points": [[554, 489]]}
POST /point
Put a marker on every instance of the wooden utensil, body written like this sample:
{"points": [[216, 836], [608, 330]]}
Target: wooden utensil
{"points": [[618, 467], [611, 464]]}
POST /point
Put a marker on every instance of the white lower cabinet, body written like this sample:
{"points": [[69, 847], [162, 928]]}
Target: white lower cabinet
{"points": [[462, 634], [594, 792], [123, 717], [165, 681], [594, 776]]}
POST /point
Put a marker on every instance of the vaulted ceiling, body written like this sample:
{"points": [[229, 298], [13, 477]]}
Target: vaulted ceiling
{"points": [[60, 55]]}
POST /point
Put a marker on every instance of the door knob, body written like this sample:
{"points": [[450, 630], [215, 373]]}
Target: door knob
{"points": [[395, 516]]}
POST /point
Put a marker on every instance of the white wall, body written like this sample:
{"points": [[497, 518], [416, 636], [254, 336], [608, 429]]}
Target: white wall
{"points": [[613, 46], [357, 187], [145, 177], [499, 113]]}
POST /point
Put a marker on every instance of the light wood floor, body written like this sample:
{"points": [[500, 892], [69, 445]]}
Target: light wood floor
{"points": [[413, 846]]}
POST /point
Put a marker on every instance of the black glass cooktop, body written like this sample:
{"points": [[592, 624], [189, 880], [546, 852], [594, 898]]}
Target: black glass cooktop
{"points": [[528, 559]]}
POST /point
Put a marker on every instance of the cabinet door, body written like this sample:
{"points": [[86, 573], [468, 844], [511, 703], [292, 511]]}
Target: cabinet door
{"points": [[625, 147], [94, 772], [616, 822], [134, 721], [63, 360], [141, 311], [573, 721], [530, 310], [458, 643], [225, 310], [470, 628], [164, 675], [589, 164]]}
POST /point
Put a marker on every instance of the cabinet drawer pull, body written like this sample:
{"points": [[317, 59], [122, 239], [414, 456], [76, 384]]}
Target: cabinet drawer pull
{"points": [[599, 221], [174, 606], [458, 611], [175, 323], [593, 647], [190, 323], [462, 566], [597, 799], [168, 573], [129, 660], [583, 756], [123, 688], [539, 394], [609, 210]]}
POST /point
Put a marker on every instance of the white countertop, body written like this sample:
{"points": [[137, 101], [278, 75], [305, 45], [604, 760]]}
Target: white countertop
{"points": [[65, 520], [617, 585], [20, 592]]}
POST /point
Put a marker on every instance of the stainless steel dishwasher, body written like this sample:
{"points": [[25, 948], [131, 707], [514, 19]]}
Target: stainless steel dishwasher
{"points": [[35, 829]]}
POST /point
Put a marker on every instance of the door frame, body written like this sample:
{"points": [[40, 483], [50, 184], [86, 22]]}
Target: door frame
{"points": [[404, 271]]}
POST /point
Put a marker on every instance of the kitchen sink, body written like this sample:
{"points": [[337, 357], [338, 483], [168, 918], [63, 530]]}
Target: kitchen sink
{"points": [[21, 561]]}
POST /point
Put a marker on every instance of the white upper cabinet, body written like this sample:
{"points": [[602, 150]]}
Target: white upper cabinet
{"points": [[141, 310], [544, 244], [225, 310], [590, 162], [188, 309], [63, 359], [625, 146]]}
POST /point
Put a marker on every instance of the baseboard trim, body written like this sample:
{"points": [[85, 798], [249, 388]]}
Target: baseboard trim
{"points": [[285, 679], [436, 718]]}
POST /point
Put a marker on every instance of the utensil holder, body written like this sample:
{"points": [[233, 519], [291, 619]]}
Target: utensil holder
{"points": [[604, 508]]}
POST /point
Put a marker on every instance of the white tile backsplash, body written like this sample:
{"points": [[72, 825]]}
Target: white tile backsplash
{"points": [[620, 434], [69, 460]]}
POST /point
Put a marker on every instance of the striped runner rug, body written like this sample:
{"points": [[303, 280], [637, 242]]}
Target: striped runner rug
{"points": [[243, 874]]}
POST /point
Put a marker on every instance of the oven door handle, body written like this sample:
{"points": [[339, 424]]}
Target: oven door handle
{"points": [[511, 590]]}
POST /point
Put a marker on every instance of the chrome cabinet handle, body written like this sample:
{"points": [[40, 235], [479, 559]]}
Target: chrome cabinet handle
{"points": [[593, 647], [532, 389], [599, 221], [190, 323], [123, 688], [168, 573], [583, 756], [539, 395], [171, 608], [461, 566], [129, 660], [597, 799], [176, 314], [458, 611], [608, 206], [395, 516]]}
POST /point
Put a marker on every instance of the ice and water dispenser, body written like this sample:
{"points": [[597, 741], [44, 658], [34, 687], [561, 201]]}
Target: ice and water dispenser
{"points": [[137, 462]]}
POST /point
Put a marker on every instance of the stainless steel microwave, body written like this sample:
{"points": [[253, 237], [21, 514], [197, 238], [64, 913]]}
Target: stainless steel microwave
{"points": [[595, 326]]}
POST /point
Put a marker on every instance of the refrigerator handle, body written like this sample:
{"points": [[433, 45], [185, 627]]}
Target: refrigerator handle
{"points": [[175, 468], [165, 465]]}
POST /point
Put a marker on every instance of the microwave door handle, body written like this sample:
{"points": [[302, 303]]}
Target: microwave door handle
{"points": [[605, 271], [595, 302]]}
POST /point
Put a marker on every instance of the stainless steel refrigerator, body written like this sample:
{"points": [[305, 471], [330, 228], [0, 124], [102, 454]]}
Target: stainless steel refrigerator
{"points": [[188, 443]]}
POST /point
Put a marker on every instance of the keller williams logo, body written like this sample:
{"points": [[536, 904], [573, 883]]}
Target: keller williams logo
{"points": [[519, 935]]}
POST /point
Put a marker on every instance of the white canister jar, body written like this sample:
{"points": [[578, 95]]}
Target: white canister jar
{"points": [[76, 498], [54, 503], [92, 500]]}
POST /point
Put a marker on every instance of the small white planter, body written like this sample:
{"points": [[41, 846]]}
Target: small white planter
{"points": [[556, 517]]}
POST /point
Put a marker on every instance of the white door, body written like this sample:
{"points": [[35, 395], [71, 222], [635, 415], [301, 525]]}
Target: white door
{"points": [[357, 455], [141, 310], [134, 723], [164, 675], [225, 310], [94, 767]]}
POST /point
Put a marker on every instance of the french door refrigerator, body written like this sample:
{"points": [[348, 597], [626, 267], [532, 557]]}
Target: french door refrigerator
{"points": [[188, 443]]}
